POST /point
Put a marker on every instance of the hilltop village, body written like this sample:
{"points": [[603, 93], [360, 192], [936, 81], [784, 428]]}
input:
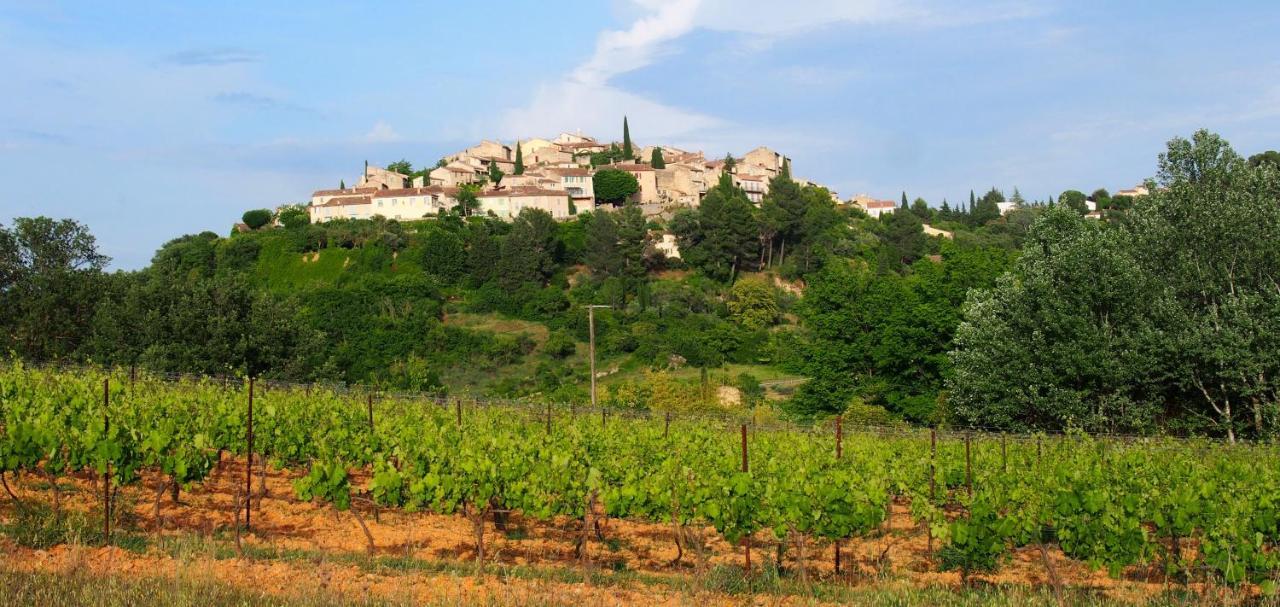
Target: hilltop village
{"points": [[564, 176]]}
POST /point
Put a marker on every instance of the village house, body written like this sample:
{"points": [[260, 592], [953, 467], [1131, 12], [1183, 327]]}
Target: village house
{"points": [[506, 203], [873, 207], [413, 203], [755, 186], [452, 175], [763, 162], [320, 197], [342, 207], [1137, 190], [647, 177], [382, 179], [557, 178]]}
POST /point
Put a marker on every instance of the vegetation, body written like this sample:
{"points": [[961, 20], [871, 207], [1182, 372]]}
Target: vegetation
{"points": [[613, 186], [1158, 318], [1109, 504]]}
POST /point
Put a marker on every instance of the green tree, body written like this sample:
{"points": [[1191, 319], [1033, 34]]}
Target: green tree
{"points": [[656, 160], [495, 173], [904, 240], [920, 209], [530, 251], [627, 153], [1102, 198], [519, 168], [601, 252], [402, 166], [613, 186], [753, 304], [468, 198], [988, 208], [722, 235], [294, 216], [1270, 157], [1074, 200], [256, 218], [50, 281]]}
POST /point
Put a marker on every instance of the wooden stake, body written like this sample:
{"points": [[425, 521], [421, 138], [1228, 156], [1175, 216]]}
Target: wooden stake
{"points": [[248, 467]]}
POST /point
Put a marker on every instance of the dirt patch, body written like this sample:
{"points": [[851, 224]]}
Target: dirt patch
{"points": [[280, 523]]}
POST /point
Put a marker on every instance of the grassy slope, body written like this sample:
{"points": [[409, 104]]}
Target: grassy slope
{"points": [[279, 270]]}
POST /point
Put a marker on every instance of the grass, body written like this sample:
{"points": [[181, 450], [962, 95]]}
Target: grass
{"points": [[34, 525], [190, 590]]}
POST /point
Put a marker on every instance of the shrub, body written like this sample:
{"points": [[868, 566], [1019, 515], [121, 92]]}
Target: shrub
{"points": [[560, 345], [256, 218]]}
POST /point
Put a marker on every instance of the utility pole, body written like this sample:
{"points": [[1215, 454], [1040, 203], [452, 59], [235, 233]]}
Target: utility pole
{"points": [[591, 331]]}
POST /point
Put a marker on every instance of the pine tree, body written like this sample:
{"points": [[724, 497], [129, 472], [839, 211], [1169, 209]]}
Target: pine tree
{"points": [[626, 140], [495, 173], [729, 163], [519, 160], [656, 160]]}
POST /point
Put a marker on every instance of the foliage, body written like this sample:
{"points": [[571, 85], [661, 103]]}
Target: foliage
{"points": [[256, 218], [753, 304], [613, 186]]}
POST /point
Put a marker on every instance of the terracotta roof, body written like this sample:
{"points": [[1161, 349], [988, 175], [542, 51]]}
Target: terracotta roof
{"points": [[435, 189], [582, 144], [878, 204], [346, 201], [346, 191], [520, 192], [567, 171], [453, 169], [630, 167]]}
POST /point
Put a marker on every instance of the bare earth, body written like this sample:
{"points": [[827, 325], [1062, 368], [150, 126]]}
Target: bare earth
{"points": [[896, 557]]}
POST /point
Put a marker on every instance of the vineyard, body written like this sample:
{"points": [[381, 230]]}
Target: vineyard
{"points": [[1197, 512]]}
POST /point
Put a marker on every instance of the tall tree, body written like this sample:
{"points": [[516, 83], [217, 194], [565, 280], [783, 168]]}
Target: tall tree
{"points": [[656, 160], [626, 140], [722, 235], [529, 251], [495, 173], [50, 281], [519, 168]]}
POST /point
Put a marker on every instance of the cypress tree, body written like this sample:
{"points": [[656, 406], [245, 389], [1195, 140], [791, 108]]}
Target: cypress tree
{"points": [[905, 206], [786, 168], [656, 160], [519, 170], [626, 140], [342, 184]]}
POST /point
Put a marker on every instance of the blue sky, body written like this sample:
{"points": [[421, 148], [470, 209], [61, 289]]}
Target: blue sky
{"points": [[148, 120]]}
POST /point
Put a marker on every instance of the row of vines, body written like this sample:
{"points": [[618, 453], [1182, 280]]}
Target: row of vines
{"points": [[1190, 507]]}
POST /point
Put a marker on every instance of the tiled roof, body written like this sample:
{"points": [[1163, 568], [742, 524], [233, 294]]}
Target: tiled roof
{"points": [[879, 204], [435, 189], [351, 191], [346, 201], [520, 192], [630, 167], [567, 171]]}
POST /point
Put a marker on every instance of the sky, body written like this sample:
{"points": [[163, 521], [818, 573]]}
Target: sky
{"points": [[149, 120]]}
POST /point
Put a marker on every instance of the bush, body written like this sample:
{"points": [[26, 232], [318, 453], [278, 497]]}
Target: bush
{"points": [[256, 218], [295, 216], [560, 345]]}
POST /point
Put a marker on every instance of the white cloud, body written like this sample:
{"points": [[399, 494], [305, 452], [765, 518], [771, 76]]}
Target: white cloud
{"points": [[586, 99], [381, 133]]}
